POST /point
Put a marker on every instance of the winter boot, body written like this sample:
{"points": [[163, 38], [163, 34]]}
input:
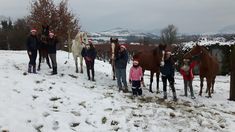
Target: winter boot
{"points": [[34, 69], [164, 95], [54, 72], [93, 75], [88, 74], [125, 90], [174, 96], [30, 68]]}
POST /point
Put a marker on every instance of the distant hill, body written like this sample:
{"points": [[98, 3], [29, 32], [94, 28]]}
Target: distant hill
{"points": [[228, 29]]}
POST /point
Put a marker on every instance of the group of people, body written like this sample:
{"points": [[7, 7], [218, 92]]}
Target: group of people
{"points": [[167, 69], [33, 44]]}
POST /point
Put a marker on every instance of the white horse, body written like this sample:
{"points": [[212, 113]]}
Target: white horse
{"points": [[79, 42]]}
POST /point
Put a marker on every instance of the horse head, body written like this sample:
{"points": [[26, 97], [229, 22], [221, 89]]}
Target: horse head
{"points": [[81, 38], [194, 52]]}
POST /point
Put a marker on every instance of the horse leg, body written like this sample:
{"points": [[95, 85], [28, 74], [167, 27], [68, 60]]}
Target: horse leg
{"points": [[213, 83], [39, 63], [201, 85], [151, 81], [113, 69], [143, 79], [157, 78], [209, 87], [81, 64], [76, 64], [48, 61]]}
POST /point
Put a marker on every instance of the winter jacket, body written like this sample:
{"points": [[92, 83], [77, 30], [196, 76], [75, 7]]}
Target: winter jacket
{"points": [[168, 69], [89, 54], [32, 43], [136, 73], [121, 60], [188, 74], [52, 42]]}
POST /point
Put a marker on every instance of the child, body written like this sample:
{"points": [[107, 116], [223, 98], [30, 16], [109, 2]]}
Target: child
{"points": [[135, 78], [187, 72], [89, 53]]}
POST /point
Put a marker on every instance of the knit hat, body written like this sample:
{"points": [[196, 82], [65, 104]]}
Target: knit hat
{"points": [[123, 46], [51, 33], [33, 30], [90, 40], [135, 62]]}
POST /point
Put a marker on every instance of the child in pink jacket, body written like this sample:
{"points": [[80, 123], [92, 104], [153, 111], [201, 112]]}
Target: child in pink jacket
{"points": [[135, 78]]}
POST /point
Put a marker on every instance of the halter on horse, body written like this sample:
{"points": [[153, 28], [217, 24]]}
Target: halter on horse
{"points": [[43, 50], [208, 67], [79, 42]]}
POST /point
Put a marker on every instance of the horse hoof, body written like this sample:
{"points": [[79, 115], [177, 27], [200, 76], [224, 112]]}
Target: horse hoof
{"points": [[208, 96], [150, 91], [158, 92]]}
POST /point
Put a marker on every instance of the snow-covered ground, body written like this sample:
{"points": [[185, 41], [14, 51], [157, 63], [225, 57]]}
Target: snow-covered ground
{"points": [[68, 102]]}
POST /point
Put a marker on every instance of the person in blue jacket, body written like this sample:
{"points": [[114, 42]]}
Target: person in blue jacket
{"points": [[32, 45], [52, 43], [89, 53], [121, 60], [167, 70]]}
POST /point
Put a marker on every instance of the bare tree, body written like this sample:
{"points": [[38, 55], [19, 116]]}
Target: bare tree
{"points": [[169, 35], [58, 17]]}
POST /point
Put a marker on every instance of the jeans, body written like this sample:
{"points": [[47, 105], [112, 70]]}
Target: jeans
{"points": [[186, 84], [32, 57], [53, 60], [121, 77], [171, 80]]}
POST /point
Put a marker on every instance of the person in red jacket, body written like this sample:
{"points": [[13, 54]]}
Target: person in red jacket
{"points": [[187, 72]]}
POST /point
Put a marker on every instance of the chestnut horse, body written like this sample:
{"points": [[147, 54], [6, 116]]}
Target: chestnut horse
{"points": [[114, 50], [208, 66], [150, 60]]}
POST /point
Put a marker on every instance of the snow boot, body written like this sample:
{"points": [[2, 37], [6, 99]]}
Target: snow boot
{"points": [[125, 90], [34, 69], [174, 96], [54, 72], [30, 68], [164, 95]]}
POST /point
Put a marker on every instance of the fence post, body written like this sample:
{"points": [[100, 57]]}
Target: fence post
{"points": [[232, 76]]}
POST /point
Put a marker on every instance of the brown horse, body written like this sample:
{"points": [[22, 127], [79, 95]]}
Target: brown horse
{"points": [[208, 67], [114, 50], [43, 49], [150, 60]]}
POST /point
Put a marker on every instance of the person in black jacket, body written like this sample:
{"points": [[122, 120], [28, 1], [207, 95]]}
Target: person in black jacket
{"points": [[52, 42], [121, 59], [32, 46], [89, 54], [168, 73]]}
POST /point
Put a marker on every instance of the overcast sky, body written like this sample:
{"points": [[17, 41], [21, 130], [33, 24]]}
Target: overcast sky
{"points": [[190, 16]]}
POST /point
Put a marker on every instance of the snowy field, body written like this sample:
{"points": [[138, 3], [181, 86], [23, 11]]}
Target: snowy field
{"points": [[68, 102]]}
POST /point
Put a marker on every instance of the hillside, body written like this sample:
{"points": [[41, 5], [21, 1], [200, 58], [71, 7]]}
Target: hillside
{"points": [[68, 102]]}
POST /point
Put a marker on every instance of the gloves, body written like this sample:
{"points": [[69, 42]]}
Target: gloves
{"points": [[162, 63], [130, 81], [30, 53]]}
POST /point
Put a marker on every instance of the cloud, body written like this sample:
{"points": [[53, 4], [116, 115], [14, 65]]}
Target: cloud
{"points": [[96, 15]]}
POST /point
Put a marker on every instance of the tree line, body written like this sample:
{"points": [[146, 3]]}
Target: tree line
{"points": [[42, 12]]}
